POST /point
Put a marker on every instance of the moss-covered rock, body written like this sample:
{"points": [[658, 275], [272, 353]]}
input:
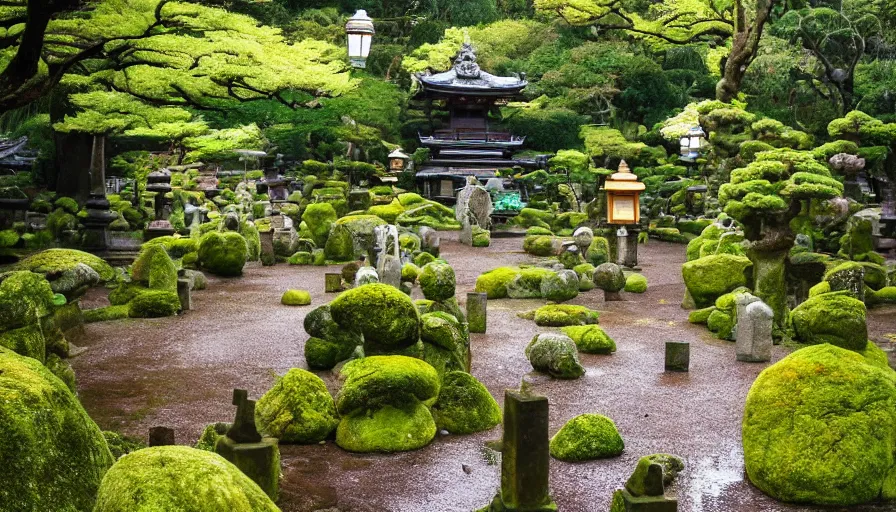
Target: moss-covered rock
{"points": [[437, 281], [609, 277], [446, 332], [52, 455], [375, 381], [154, 304], [62, 370], [494, 282], [384, 315], [423, 259], [700, 316], [410, 272], [27, 341], [155, 269], [590, 339], [712, 276], [820, 427], [556, 355], [210, 436], [387, 429], [526, 284], [465, 406], [54, 262], [531, 217], [481, 237], [329, 343], [295, 298], [223, 254], [635, 283], [178, 478], [298, 409], [834, 318], [561, 315], [541, 245], [587, 437], [25, 297], [560, 286], [301, 258], [319, 217], [121, 445], [585, 271], [387, 212], [598, 252]]}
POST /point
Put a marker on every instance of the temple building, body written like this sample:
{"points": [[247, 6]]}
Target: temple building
{"points": [[472, 143]]}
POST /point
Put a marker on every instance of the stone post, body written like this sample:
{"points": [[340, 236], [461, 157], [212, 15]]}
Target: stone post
{"points": [[257, 457], [332, 283], [184, 294], [477, 312], [268, 258], [678, 356], [525, 459], [754, 333], [161, 436]]}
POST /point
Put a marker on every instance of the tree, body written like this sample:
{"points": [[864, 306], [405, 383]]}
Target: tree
{"points": [[680, 22]]}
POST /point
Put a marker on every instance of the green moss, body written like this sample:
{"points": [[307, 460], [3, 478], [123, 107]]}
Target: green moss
{"points": [[68, 204], [560, 315], [834, 318], [886, 295], [209, 437], [223, 254], [27, 341], [437, 281], [700, 316], [530, 217], [9, 238], [556, 355], [481, 237], [820, 288], [52, 455], [609, 277], [465, 406], [154, 269], [297, 409], [62, 370], [540, 245], [423, 259], [527, 283], [383, 314], [445, 332], [25, 297], [387, 212], [388, 429], [301, 258], [121, 445], [494, 282], [296, 298], [154, 304], [340, 245], [585, 271], [376, 381], [636, 283], [177, 247], [598, 252], [709, 277], [535, 231], [178, 478], [253, 240], [410, 272], [319, 217], [672, 465], [329, 343], [590, 339], [819, 428], [587, 437], [57, 261]]}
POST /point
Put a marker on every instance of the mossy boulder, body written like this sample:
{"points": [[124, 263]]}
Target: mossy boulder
{"points": [[295, 298], [494, 282], [834, 318], [387, 429], [635, 283], [223, 253], [437, 281], [481, 237], [560, 286], [710, 277], [155, 269], [465, 406], [820, 427], [25, 297], [298, 409], [541, 245], [410, 273], [329, 343], [106, 314], [319, 217], [53, 263], [445, 332], [585, 272], [383, 314], [609, 277], [598, 251], [590, 339], [154, 304], [556, 355], [526, 284], [179, 478], [561, 315], [423, 259], [301, 258], [52, 455], [587, 437], [340, 245]]}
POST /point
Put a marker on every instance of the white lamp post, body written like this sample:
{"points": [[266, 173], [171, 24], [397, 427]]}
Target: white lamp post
{"points": [[692, 143], [359, 30]]}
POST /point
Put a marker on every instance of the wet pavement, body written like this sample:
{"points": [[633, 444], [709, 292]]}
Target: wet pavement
{"points": [[179, 372]]}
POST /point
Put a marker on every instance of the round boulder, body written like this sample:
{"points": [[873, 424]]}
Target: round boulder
{"points": [[609, 277], [298, 409], [560, 286], [835, 318], [382, 313], [590, 339], [587, 437], [437, 281], [465, 406], [223, 254], [556, 355]]}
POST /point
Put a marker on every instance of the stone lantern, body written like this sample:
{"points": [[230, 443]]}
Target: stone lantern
{"points": [[398, 161], [160, 183], [359, 31], [624, 209]]}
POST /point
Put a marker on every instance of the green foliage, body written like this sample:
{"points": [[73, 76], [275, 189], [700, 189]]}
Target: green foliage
{"points": [[545, 128]]}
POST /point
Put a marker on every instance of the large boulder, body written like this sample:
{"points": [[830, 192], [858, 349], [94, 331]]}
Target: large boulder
{"points": [[52, 455], [223, 253], [834, 318], [154, 269], [820, 427], [556, 355], [560, 286], [385, 316], [52, 263], [710, 277], [609, 277], [526, 284], [446, 342], [560, 315], [590, 339], [587, 437], [298, 409], [319, 217], [437, 281], [494, 282], [25, 297], [179, 478], [329, 343], [465, 406]]}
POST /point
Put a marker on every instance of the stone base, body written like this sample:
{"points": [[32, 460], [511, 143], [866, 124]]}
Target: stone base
{"points": [[497, 505], [648, 503], [259, 461], [678, 356], [612, 296]]}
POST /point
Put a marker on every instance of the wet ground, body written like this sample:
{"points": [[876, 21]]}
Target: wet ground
{"points": [[180, 372]]}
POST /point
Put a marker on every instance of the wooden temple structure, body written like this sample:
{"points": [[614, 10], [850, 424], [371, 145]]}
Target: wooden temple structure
{"points": [[472, 143]]}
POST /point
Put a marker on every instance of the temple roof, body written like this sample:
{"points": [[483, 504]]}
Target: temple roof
{"points": [[465, 78]]}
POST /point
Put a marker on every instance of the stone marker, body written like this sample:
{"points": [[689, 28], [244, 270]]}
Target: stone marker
{"points": [[678, 356], [257, 458], [161, 436], [268, 257], [184, 294], [754, 333], [332, 283], [645, 490], [525, 458], [477, 312]]}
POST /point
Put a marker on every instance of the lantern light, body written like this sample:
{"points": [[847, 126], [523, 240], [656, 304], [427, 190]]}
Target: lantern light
{"points": [[359, 30], [623, 196], [398, 160], [692, 143]]}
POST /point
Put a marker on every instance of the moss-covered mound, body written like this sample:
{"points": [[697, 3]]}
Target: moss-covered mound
{"points": [[709, 277], [609, 277], [437, 281], [560, 315], [541, 245], [560, 286], [388, 429], [820, 427], [298, 409], [54, 262], [223, 254], [319, 217], [154, 304], [587, 437], [154, 269], [494, 282], [25, 297], [179, 478], [526, 284], [295, 298], [329, 343], [383, 314], [590, 339], [636, 283], [556, 355], [834, 318], [446, 342], [465, 406], [52, 455]]}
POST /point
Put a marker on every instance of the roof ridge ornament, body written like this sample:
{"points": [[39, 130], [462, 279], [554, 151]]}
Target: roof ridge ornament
{"points": [[465, 64]]}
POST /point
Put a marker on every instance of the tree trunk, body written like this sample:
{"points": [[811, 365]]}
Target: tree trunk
{"points": [[744, 44]]}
